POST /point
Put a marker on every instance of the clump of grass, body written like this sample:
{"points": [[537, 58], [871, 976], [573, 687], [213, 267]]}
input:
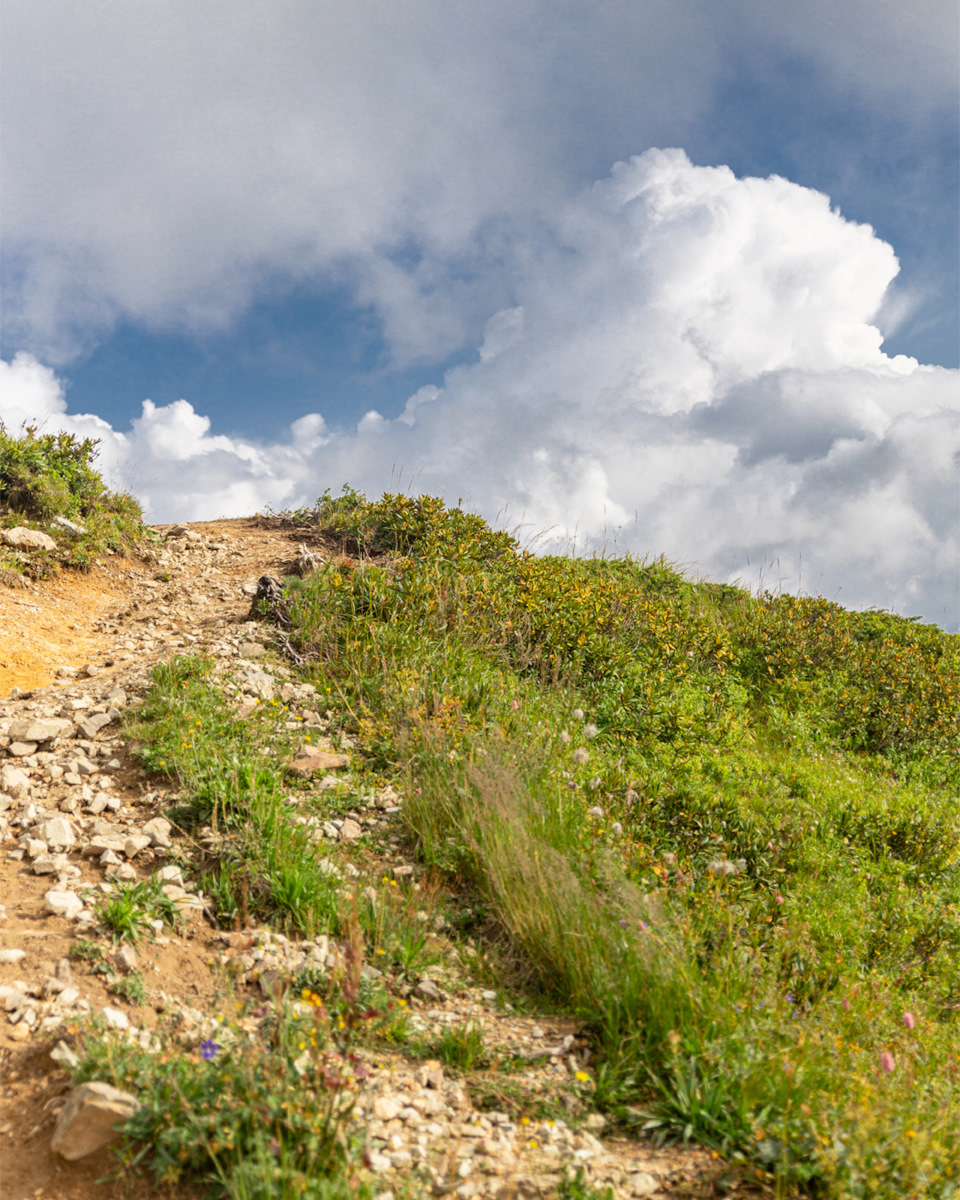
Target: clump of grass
{"points": [[132, 911], [461, 1047], [131, 987], [86, 950]]}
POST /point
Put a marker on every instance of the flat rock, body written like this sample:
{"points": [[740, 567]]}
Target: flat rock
{"points": [[158, 831], [90, 1118], [22, 538], [643, 1183], [68, 526], [310, 760], [21, 749], [135, 843], [115, 1018], [39, 730]]}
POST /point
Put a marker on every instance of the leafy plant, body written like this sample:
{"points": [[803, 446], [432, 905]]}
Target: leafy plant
{"points": [[130, 987], [129, 912]]}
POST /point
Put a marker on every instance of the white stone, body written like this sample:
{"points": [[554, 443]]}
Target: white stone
{"points": [[14, 782], [643, 1183], [39, 729], [115, 1018], [57, 832], [62, 904], [386, 1108], [22, 538], [12, 956], [158, 831]]}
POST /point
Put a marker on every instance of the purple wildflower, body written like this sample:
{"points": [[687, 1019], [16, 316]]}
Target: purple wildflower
{"points": [[208, 1049]]}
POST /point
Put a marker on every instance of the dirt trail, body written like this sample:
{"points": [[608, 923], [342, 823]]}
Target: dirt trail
{"points": [[102, 629], [82, 647]]}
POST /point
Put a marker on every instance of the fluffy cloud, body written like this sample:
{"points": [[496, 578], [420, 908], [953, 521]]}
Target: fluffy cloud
{"points": [[692, 370], [168, 162]]}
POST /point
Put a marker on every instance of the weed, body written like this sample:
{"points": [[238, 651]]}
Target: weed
{"points": [[85, 950], [130, 987], [700, 817], [577, 1187], [44, 476], [461, 1047], [132, 911]]}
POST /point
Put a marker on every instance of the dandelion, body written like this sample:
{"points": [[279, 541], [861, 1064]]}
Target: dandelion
{"points": [[908, 1020], [590, 731], [582, 1077], [208, 1049], [578, 714], [564, 736], [581, 754]]}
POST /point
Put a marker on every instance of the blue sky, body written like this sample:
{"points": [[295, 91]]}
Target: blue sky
{"points": [[271, 221]]}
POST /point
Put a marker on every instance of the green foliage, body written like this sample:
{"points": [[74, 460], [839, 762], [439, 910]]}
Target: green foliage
{"points": [[723, 829], [48, 475], [461, 1047], [130, 910], [130, 987], [577, 1187], [260, 1108], [85, 950]]}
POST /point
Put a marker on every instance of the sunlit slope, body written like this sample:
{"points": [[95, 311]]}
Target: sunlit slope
{"points": [[723, 828]]}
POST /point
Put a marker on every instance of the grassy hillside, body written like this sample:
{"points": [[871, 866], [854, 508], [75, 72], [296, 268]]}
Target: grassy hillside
{"points": [[723, 829]]}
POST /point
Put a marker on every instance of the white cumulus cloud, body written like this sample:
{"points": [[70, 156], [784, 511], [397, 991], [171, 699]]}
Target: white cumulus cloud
{"points": [[692, 369]]}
